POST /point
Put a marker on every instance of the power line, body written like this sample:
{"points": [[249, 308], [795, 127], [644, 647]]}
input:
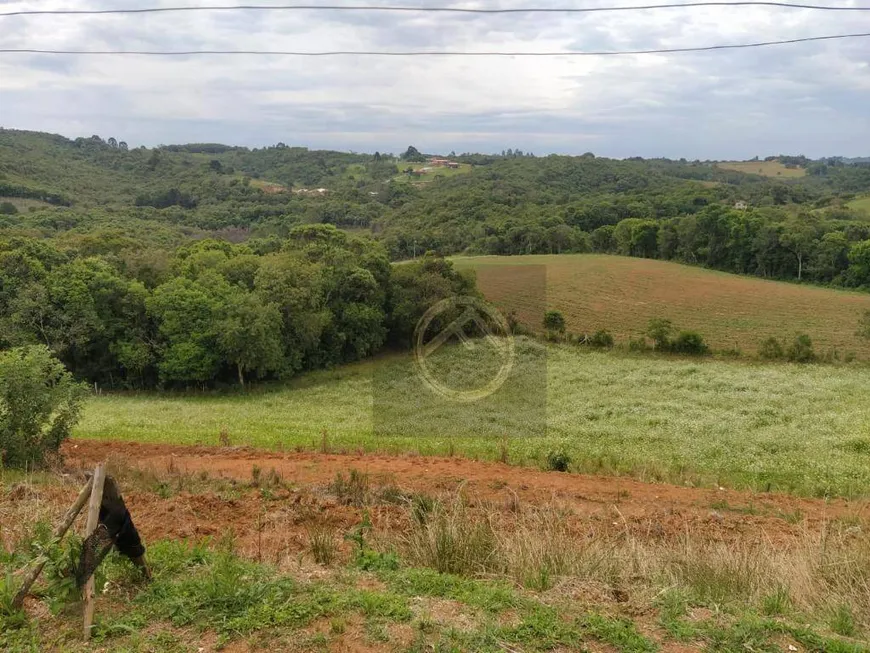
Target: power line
{"points": [[459, 10], [417, 53]]}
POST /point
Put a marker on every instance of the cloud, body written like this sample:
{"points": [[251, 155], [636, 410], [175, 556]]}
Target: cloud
{"points": [[809, 98]]}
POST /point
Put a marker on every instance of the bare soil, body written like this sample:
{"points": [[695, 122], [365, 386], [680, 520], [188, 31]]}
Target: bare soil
{"points": [[596, 504]]}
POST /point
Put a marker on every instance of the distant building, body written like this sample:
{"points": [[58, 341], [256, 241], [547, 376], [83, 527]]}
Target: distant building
{"points": [[442, 163], [740, 205]]}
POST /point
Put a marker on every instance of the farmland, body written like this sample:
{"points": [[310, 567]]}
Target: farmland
{"points": [[763, 168], [623, 294]]}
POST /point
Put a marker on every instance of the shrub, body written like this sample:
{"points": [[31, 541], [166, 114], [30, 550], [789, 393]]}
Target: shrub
{"points": [[558, 461], [554, 322], [639, 344], [7, 208], [801, 350], [601, 339], [39, 404], [770, 349], [864, 326], [690, 342], [659, 330]]}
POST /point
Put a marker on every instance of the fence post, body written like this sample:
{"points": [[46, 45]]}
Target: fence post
{"points": [[99, 479]]}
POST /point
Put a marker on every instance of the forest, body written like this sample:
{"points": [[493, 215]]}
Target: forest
{"points": [[203, 263]]}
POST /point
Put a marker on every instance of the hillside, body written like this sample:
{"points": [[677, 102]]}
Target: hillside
{"points": [[622, 294], [735, 220]]}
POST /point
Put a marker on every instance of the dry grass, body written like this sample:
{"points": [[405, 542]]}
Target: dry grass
{"points": [[622, 294], [821, 574], [763, 168]]}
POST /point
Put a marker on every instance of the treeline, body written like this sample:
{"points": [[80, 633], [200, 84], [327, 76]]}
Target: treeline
{"points": [[212, 312]]}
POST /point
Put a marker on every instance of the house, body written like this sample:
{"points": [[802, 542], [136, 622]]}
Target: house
{"points": [[740, 205]]}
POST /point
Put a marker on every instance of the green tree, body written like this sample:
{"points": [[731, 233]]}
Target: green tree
{"points": [[8, 208], [39, 405], [859, 264], [249, 334], [187, 314]]}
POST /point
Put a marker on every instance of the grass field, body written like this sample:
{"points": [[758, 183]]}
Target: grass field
{"points": [[622, 294], [860, 204], [434, 173], [23, 205], [763, 168], [782, 427]]}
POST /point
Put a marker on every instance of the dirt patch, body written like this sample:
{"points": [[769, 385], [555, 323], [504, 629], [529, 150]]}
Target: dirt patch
{"points": [[594, 504]]}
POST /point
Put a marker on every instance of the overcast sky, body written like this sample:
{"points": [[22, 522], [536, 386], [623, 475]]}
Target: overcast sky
{"points": [[811, 98]]}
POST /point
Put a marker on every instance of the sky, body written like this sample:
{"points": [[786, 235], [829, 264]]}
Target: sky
{"points": [[809, 98]]}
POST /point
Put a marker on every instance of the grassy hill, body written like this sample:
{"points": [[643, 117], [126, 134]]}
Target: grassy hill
{"points": [[622, 294]]}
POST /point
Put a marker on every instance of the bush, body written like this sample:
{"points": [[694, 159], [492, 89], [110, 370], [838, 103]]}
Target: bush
{"points": [[601, 339], [659, 330], [558, 461], [691, 343], [770, 349], [554, 322], [801, 350], [639, 344], [864, 326], [39, 404]]}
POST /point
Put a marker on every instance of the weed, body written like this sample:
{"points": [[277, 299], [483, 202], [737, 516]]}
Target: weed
{"points": [[776, 603], [353, 489], [322, 544], [843, 621], [621, 633]]}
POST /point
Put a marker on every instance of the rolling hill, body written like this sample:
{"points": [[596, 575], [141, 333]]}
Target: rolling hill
{"points": [[622, 294]]}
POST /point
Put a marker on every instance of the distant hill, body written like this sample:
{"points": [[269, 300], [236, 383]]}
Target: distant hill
{"points": [[739, 216]]}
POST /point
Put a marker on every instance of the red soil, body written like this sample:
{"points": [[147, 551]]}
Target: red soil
{"points": [[596, 504]]}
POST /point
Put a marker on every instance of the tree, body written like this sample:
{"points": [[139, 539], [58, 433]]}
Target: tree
{"points": [[112, 142], [39, 405], [122, 145], [798, 237], [249, 334], [187, 313], [412, 154], [859, 264], [8, 208]]}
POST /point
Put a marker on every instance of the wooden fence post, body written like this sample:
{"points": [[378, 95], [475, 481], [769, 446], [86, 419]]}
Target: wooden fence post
{"points": [[99, 479]]}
